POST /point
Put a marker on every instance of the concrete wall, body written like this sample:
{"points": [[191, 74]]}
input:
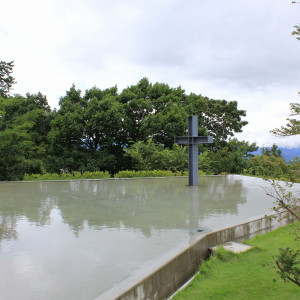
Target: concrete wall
{"points": [[169, 272]]}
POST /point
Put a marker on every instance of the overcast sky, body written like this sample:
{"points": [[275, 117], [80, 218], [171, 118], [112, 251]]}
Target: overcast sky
{"points": [[234, 50]]}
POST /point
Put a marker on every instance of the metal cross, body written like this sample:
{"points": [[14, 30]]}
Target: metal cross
{"points": [[193, 140]]}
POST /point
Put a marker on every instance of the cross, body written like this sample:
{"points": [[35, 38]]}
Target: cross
{"points": [[193, 140]]}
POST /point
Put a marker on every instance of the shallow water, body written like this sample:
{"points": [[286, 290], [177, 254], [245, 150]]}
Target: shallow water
{"points": [[76, 239]]}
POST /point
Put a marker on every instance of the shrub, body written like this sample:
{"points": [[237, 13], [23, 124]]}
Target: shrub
{"points": [[66, 176], [148, 173], [268, 166]]}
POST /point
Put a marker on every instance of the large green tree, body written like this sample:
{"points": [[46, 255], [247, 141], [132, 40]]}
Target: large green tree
{"points": [[91, 131], [66, 136], [88, 132], [160, 112], [24, 125], [233, 157], [6, 80]]}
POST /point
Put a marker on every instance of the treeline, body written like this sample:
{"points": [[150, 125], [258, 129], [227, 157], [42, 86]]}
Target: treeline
{"points": [[103, 130], [96, 131]]}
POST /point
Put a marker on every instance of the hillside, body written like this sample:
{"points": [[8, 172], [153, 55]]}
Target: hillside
{"points": [[287, 153]]}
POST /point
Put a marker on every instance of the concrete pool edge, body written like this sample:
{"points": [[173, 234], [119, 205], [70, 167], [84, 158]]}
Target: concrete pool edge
{"points": [[165, 275]]}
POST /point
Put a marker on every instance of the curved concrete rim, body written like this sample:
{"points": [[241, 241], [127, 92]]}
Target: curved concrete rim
{"points": [[163, 276]]}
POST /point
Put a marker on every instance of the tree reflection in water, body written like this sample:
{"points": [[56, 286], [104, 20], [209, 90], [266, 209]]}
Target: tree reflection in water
{"points": [[137, 204]]}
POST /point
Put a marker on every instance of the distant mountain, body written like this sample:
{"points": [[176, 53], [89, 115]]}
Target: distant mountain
{"points": [[287, 153]]}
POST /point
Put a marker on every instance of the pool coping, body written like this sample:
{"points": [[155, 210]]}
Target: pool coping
{"points": [[163, 276]]}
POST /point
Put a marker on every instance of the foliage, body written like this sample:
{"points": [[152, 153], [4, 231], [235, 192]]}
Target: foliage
{"points": [[90, 131], [6, 80], [297, 27], [15, 142], [102, 175], [274, 150], [287, 206], [24, 125], [233, 157], [268, 166], [293, 125], [149, 173], [66, 176], [230, 157], [151, 156], [286, 203], [287, 263], [296, 31], [295, 166]]}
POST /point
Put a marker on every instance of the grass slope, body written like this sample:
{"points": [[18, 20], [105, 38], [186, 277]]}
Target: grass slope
{"points": [[248, 275]]}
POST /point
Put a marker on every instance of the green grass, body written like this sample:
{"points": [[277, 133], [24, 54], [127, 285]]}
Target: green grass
{"points": [[248, 275]]}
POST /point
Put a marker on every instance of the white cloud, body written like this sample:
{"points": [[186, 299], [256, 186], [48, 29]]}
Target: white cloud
{"points": [[233, 50]]}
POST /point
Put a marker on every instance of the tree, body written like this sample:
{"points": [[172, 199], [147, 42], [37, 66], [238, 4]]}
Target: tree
{"points": [[232, 158], [151, 156], [24, 125], [15, 143], [274, 150], [287, 205], [221, 118], [6, 80], [293, 125], [92, 131], [88, 132], [295, 166], [268, 166], [66, 134], [105, 129], [288, 265], [296, 31], [288, 259], [160, 112]]}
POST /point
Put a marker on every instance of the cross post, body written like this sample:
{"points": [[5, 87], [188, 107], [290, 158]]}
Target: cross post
{"points": [[193, 140]]}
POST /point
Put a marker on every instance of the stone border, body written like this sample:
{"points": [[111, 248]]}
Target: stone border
{"points": [[165, 275]]}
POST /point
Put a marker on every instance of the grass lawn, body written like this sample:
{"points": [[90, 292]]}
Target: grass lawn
{"points": [[249, 275]]}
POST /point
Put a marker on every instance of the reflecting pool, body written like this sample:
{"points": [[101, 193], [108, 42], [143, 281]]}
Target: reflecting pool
{"points": [[76, 239]]}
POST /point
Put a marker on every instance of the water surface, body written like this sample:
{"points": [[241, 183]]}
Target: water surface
{"points": [[76, 239]]}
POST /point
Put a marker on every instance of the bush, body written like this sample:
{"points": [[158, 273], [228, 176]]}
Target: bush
{"points": [[268, 166], [150, 173], [103, 175], [66, 176], [151, 156]]}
